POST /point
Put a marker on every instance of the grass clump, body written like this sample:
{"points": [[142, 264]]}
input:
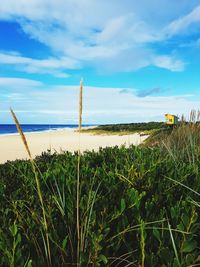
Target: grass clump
{"points": [[130, 211]]}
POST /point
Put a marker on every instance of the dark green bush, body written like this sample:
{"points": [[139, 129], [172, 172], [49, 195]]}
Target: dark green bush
{"points": [[130, 209]]}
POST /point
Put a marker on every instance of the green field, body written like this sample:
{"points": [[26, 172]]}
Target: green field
{"points": [[137, 206]]}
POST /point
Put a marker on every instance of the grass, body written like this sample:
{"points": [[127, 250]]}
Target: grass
{"points": [[34, 168], [96, 131], [125, 129], [79, 236], [132, 127], [136, 206]]}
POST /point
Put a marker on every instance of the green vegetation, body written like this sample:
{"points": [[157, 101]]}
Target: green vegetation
{"points": [[138, 206], [132, 126], [127, 128]]}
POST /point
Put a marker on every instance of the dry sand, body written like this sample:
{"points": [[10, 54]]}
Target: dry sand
{"points": [[12, 148]]}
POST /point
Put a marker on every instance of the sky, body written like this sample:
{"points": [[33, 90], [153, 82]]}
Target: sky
{"points": [[138, 60]]}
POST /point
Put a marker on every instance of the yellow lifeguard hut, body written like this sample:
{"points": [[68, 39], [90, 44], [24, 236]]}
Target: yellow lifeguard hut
{"points": [[171, 119]]}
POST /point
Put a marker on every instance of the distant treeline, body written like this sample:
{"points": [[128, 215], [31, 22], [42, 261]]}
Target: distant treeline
{"points": [[143, 126]]}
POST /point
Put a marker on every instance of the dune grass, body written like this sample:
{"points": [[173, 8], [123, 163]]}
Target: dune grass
{"points": [[34, 169]]}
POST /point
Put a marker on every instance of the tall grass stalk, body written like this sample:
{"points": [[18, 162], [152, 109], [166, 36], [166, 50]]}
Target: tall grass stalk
{"points": [[21, 134], [142, 242], [78, 174], [80, 104], [45, 225], [183, 185], [174, 245], [88, 214]]}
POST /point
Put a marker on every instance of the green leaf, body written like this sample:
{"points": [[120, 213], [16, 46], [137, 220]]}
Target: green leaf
{"points": [[29, 263], [156, 233], [189, 246], [185, 220], [64, 243], [180, 226], [18, 240], [103, 259], [13, 229], [123, 205], [173, 212]]}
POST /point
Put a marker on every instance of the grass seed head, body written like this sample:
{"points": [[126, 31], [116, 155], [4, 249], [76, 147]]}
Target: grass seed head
{"points": [[21, 133]]}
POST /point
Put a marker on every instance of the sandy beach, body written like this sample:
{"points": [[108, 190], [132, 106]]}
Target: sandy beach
{"points": [[12, 148]]}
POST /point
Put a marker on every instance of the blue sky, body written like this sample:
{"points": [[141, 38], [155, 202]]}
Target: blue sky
{"points": [[138, 60]]}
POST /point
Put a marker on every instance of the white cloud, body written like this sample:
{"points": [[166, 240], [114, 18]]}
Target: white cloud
{"points": [[167, 62], [19, 82], [52, 66], [126, 29], [129, 60], [89, 32], [59, 104], [121, 39], [183, 23]]}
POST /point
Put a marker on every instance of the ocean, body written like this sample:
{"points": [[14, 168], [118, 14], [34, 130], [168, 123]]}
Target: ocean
{"points": [[27, 128]]}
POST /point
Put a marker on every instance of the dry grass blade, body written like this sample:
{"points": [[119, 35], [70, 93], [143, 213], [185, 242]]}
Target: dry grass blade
{"points": [[80, 104], [45, 225], [78, 174], [21, 133]]}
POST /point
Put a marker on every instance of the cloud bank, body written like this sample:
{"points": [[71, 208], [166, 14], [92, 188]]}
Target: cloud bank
{"points": [[108, 35], [35, 102]]}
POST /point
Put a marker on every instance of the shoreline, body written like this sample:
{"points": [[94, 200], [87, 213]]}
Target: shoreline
{"points": [[47, 130], [66, 139]]}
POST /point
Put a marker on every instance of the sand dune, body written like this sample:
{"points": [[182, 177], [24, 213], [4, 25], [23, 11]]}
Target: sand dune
{"points": [[12, 148]]}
